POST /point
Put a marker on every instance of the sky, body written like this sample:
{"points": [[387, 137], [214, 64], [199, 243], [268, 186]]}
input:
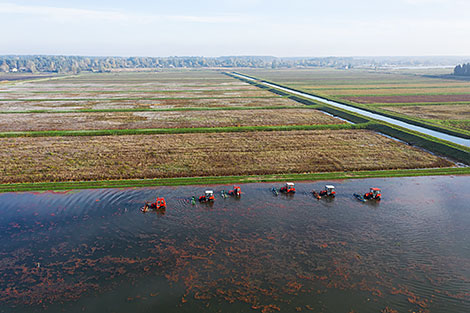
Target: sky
{"points": [[235, 27]]}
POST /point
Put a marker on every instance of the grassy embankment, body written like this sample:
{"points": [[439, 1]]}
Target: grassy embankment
{"points": [[221, 180]]}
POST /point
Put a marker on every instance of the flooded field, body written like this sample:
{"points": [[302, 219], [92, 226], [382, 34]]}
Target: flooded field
{"points": [[94, 251]]}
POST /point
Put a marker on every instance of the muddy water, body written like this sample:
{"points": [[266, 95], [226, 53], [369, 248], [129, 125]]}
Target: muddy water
{"points": [[94, 251]]}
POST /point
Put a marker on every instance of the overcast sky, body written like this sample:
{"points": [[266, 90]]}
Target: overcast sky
{"points": [[235, 27]]}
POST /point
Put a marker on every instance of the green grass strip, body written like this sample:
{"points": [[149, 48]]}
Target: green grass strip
{"points": [[232, 108], [181, 181], [152, 131]]}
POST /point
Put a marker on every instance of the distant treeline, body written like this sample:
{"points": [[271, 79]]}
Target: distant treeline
{"points": [[462, 70], [77, 64]]}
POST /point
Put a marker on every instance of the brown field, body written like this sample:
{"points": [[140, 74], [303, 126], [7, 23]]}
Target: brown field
{"points": [[169, 89], [143, 104], [184, 155], [166, 119], [46, 87], [410, 99], [235, 93], [395, 91], [431, 85], [438, 112]]}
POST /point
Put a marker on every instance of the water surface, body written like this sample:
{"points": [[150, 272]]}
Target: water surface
{"points": [[94, 251]]}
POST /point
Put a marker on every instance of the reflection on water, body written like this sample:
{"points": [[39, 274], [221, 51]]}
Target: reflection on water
{"points": [[94, 251]]}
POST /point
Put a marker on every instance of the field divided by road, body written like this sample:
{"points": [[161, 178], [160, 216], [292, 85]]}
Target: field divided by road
{"points": [[179, 123], [406, 93]]}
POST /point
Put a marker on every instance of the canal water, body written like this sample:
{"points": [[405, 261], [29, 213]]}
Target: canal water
{"points": [[94, 251], [454, 139]]}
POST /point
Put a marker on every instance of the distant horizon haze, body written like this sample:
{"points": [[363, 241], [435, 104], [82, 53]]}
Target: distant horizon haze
{"points": [[212, 28]]}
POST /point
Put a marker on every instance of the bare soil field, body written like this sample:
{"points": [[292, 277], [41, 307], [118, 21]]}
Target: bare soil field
{"points": [[184, 155], [410, 99], [168, 119]]}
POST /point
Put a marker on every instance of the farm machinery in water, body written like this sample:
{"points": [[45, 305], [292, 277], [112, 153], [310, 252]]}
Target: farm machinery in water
{"points": [[373, 194], [328, 192]]}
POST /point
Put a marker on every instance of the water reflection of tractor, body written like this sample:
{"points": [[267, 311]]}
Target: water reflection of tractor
{"points": [[158, 205], [373, 194], [207, 197], [328, 192], [289, 188]]}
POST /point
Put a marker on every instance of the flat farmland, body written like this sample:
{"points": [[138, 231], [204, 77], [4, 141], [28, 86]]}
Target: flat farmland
{"points": [[370, 86], [173, 100], [163, 119], [430, 98], [451, 115], [173, 89], [336, 78], [211, 154], [412, 93], [212, 102], [397, 91]]}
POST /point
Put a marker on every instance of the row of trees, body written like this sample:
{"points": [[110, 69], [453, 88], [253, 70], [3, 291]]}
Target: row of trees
{"points": [[77, 64], [462, 70]]}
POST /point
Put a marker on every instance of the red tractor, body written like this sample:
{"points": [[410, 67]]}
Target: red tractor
{"points": [[207, 197], [373, 194], [236, 191], [288, 188], [159, 204], [329, 191]]}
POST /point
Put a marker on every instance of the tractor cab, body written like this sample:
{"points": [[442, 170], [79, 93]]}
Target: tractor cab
{"points": [[374, 193], [329, 191], [288, 188], [208, 196], [236, 191]]}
